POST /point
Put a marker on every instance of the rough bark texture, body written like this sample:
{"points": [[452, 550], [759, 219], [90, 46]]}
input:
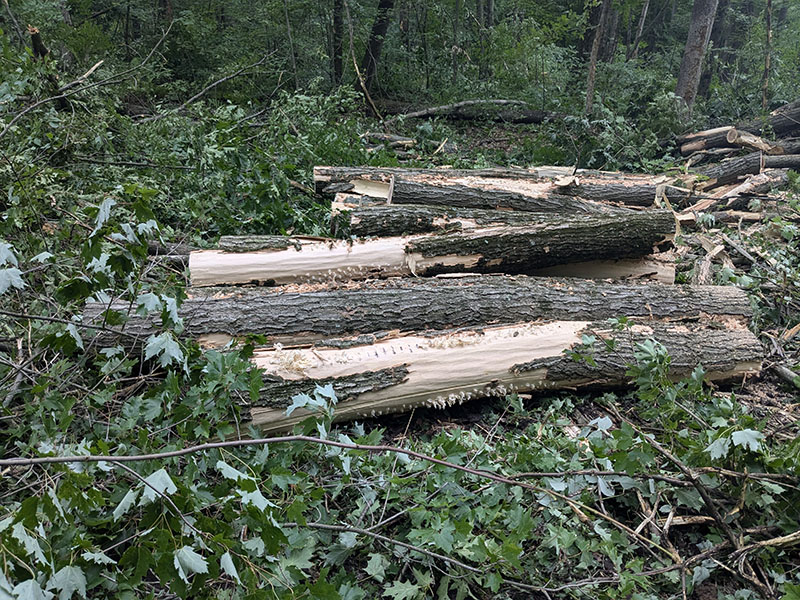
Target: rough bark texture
{"points": [[446, 368], [703, 12], [481, 196], [631, 195], [397, 219], [521, 249], [422, 304], [412, 192], [729, 171]]}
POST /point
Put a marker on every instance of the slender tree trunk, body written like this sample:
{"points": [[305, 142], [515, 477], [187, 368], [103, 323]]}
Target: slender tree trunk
{"points": [[703, 13], [634, 49], [767, 57], [608, 46], [598, 37], [455, 49], [369, 66], [292, 58], [338, 37]]}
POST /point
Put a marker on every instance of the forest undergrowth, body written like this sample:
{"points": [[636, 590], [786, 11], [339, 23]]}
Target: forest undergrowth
{"points": [[135, 475]]}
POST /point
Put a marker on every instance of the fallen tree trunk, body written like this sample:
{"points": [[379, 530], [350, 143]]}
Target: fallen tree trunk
{"points": [[214, 316], [393, 375], [731, 170], [405, 219], [781, 122], [489, 194], [494, 250], [457, 111], [389, 183], [745, 139]]}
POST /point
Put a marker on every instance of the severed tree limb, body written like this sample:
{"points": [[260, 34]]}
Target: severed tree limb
{"points": [[447, 108], [208, 88]]}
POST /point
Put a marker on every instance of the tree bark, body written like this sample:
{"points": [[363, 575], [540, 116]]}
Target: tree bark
{"points": [[633, 53], [547, 189], [377, 377], [767, 56], [214, 316], [703, 12], [731, 170], [496, 250], [369, 65], [398, 219], [598, 37], [338, 40]]}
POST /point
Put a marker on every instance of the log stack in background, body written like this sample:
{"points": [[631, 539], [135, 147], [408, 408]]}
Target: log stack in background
{"points": [[440, 295]]}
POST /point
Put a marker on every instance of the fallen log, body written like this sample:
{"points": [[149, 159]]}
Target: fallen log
{"points": [[746, 139], [637, 190], [302, 314], [704, 140], [405, 219], [377, 377], [731, 170], [781, 122], [532, 196], [491, 250], [457, 111]]}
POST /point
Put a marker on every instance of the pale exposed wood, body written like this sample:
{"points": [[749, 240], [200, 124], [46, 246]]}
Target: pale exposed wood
{"points": [[488, 250], [745, 139], [658, 268], [452, 367]]}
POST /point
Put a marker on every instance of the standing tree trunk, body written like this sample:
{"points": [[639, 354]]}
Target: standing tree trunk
{"points": [[767, 57], [598, 38], [369, 66], [718, 56], [634, 49], [455, 49], [703, 13], [338, 36], [293, 59]]}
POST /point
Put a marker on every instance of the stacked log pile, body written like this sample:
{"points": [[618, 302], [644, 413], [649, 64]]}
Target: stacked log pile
{"points": [[458, 285]]}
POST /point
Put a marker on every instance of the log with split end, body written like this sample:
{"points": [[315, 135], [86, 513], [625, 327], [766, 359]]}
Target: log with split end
{"points": [[490, 250], [442, 369]]}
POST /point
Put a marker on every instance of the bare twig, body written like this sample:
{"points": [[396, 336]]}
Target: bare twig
{"points": [[355, 65], [209, 87]]}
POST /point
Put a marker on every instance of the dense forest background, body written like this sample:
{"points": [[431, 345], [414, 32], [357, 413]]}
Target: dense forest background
{"points": [[127, 125]]}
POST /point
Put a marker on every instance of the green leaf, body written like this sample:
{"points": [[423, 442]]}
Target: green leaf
{"points": [[791, 592], [67, 581], [443, 536], [228, 472], [158, 483], [98, 558], [376, 566], [165, 347], [29, 543], [9, 278], [227, 566], [719, 448], [149, 302], [125, 504], [748, 438], [402, 590], [103, 213], [30, 590], [7, 254], [187, 562]]}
